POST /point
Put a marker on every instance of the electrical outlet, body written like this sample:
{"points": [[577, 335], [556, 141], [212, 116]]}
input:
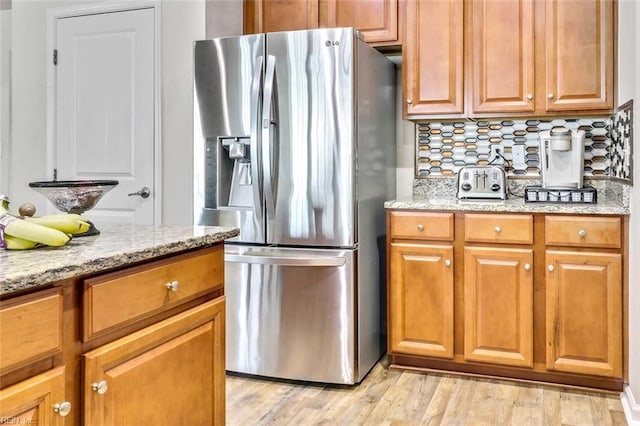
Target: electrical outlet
{"points": [[518, 152], [496, 155]]}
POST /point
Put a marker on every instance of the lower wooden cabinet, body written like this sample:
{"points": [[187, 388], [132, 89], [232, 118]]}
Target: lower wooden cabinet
{"points": [[527, 296], [584, 312], [498, 305], [39, 400], [421, 299], [170, 373]]}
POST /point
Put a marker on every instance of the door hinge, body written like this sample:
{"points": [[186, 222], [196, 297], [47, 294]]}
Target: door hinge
{"points": [[55, 56]]}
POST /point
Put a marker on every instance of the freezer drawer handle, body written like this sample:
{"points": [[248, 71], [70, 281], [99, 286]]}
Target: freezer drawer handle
{"points": [[285, 260]]}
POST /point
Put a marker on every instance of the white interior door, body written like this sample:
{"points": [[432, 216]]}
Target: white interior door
{"points": [[105, 108]]}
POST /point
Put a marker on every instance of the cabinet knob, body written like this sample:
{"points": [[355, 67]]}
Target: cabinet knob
{"points": [[530, 96], [173, 285], [62, 408], [497, 229], [420, 227], [527, 266], [582, 233], [409, 101], [100, 387], [447, 262], [550, 96], [551, 268]]}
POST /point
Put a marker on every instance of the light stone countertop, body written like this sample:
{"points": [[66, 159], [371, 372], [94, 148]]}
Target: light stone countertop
{"points": [[511, 205], [118, 245]]}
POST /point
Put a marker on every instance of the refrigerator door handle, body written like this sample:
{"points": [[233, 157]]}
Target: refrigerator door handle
{"points": [[270, 144], [256, 92], [285, 260]]}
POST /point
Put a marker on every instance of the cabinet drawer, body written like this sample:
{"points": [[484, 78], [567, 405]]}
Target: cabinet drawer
{"points": [[498, 228], [421, 226], [32, 328], [123, 297], [583, 231]]}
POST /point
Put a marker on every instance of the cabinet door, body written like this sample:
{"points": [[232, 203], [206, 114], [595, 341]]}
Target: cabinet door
{"points": [[584, 313], [502, 56], [377, 20], [170, 373], [579, 53], [433, 58], [36, 401], [421, 300], [264, 16], [498, 306]]}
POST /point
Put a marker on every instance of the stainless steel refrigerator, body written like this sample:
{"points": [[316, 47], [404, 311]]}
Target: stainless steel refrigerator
{"points": [[294, 143]]}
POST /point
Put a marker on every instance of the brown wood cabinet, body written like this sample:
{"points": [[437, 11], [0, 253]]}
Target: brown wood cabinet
{"points": [[502, 56], [39, 400], [498, 303], [377, 20], [421, 298], [169, 373], [432, 58], [141, 344], [504, 294], [544, 58]]}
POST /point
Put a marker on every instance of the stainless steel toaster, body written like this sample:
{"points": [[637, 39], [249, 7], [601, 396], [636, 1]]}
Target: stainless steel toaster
{"points": [[482, 182]]}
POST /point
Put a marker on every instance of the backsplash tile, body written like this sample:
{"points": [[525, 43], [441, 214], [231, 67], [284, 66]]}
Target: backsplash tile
{"points": [[442, 148], [622, 143]]}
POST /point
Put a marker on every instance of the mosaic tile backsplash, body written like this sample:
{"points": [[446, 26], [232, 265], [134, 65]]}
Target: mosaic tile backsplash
{"points": [[442, 148]]}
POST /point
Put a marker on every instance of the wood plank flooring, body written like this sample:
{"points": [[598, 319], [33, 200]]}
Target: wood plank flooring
{"points": [[397, 397]]}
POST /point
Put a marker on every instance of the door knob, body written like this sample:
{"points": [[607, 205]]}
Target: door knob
{"points": [[144, 192], [551, 268], [527, 266], [62, 408], [550, 96], [100, 387], [447, 262], [530, 96]]}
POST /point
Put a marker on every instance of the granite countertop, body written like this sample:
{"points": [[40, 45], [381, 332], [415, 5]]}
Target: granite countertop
{"points": [[511, 205], [440, 194], [117, 245]]}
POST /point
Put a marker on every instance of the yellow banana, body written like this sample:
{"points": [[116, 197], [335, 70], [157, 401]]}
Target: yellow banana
{"points": [[65, 223], [26, 230], [14, 243]]}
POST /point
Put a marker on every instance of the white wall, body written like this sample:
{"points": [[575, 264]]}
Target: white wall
{"points": [[5, 96], [629, 88], [405, 146]]}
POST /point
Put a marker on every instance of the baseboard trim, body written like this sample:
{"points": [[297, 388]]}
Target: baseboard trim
{"points": [[630, 406]]}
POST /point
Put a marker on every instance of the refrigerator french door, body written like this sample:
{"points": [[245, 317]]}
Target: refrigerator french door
{"points": [[279, 120]]}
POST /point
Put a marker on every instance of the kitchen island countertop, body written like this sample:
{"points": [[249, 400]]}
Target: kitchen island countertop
{"points": [[117, 245], [510, 205]]}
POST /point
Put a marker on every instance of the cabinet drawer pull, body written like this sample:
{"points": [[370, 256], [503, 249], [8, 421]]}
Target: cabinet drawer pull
{"points": [[409, 101], [497, 229], [582, 233], [550, 96], [527, 266], [529, 96], [420, 227], [447, 262], [173, 286], [62, 408], [100, 387], [551, 268]]}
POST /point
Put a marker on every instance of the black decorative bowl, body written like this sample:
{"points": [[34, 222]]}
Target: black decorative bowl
{"points": [[74, 196]]}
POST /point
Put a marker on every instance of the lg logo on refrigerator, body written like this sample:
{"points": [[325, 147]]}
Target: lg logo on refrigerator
{"points": [[330, 43]]}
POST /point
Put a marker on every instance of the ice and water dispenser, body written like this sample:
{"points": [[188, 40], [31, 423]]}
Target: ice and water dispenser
{"points": [[228, 172]]}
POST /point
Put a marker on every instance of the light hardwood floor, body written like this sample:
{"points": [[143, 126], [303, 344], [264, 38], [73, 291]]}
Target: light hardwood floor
{"points": [[396, 397]]}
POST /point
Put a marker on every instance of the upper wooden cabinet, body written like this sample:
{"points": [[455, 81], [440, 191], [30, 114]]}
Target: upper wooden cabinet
{"points": [[546, 57], [432, 58], [579, 38], [502, 56], [377, 20], [263, 16]]}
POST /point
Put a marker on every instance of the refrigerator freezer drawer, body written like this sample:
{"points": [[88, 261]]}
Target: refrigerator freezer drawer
{"points": [[291, 313]]}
